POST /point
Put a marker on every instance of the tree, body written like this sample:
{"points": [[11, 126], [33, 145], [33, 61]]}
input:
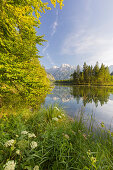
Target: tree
{"points": [[101, 76], [77, 73], [107, 75], [20, 69], [74, 76], [96, 72], [92, 75], [85, 72], [78, 69]]}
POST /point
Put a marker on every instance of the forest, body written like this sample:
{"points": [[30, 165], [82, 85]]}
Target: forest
{"points": [[92, 75]]}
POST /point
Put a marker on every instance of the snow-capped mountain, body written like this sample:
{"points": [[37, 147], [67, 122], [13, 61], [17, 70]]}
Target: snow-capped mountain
{"points": [[63, 72], [52, 70], [111, 68]]}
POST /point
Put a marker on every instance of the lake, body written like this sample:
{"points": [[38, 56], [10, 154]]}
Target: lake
{"points": [[91, 99]]}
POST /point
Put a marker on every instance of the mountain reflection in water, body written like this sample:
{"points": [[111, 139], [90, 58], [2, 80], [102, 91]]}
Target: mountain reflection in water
{"points": [[96, 100]]}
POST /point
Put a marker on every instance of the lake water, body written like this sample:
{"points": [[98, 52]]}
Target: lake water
{"points": [[92, 100]]}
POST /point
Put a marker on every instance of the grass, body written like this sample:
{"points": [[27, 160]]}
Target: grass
{"points": [[60, 142]]}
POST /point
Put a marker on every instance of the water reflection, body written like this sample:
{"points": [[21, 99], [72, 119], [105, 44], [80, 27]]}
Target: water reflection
{"points": [[96, 100], [97, 95], [91, 94], [16, 103], [64, 94]]}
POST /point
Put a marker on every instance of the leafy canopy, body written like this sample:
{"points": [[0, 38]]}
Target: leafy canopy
{"points": [[20, 69]]}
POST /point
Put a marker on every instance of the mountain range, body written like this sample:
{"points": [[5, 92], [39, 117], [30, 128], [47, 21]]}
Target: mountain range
{"points": [[65, 70]]}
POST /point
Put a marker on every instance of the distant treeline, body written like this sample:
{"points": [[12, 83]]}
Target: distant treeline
{"points": [[92, 75]]}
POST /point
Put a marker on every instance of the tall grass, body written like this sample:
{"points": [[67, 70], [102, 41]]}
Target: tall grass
{"points": [[60, 142]]}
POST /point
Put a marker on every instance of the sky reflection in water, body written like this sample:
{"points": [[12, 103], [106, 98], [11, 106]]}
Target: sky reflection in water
{"points": [[93, 100]]}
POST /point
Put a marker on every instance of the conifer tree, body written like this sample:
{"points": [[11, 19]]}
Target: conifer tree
{"points": [[96, 72], [91, 75], [102, 74], [77, 73], [85, 72]]}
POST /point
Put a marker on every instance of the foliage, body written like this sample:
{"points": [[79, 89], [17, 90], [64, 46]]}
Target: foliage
{"points": [[51, 140], [20, 69], [91, 75]]}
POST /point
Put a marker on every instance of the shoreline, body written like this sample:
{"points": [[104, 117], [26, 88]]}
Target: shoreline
{"points": [[73, 84]]}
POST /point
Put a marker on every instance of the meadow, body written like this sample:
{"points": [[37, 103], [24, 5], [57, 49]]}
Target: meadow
{"points": [[48, 139]]}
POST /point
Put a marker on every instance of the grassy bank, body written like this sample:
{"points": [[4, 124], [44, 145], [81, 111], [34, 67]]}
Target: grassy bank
{"points": [[50, 140]]}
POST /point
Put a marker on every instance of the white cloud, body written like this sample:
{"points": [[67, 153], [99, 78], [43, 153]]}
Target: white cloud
{"points": [[92, 46], [45, 48], [55, 24], [50, 60]]}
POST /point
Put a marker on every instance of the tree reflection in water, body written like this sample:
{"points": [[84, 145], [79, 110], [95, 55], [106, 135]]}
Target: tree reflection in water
{"points": [[91, 94], [88, 94]]}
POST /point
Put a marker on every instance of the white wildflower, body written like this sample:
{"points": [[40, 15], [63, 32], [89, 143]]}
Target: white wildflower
{"points": [[9, 143], [36, 167], [31, 135], [63, 115], [17, 136], [18, 152], [56, 108], [59, 117], [10, 165], [55, 118], [33, 144], [66, 136], [24, 132]]}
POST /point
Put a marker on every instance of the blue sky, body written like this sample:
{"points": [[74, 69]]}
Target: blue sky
{"points": [[81, 32]]}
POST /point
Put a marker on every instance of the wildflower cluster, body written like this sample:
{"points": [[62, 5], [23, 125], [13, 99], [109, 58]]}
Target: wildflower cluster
{"points": [[33, 144], [19, 145], [36, 167], [66, 136], [58, 117], [9, 143], [55, 119], [30, 135], [10, 165], [24, 132], [56, 108]]}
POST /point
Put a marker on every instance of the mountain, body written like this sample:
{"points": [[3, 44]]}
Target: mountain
{"points": [[52, 70], [63, 72], [111, 68], [50, 77]]}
